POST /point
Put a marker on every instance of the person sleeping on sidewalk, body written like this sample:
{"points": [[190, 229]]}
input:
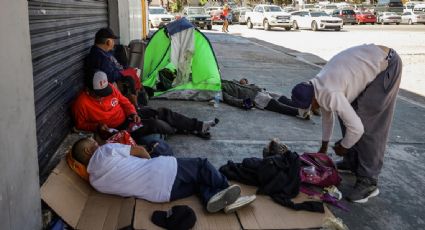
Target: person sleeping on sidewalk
{"points": [[130, 171], [101, 106], [244, 95]]}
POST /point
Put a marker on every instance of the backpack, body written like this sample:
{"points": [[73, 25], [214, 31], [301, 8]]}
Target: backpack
{"points": [[318, 169]]}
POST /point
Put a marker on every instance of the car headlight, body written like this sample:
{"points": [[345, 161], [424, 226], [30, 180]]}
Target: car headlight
{"points": [[274, 16]]}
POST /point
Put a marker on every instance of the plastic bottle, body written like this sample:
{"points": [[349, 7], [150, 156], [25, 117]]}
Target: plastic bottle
{"points": [[217, 99]]}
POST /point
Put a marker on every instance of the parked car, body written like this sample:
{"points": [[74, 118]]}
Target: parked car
{"points": [[348, 16], [365, 17], [158, 17], [315, 20], [216, 17], [239, 14], [413, 17], [328, 8], [268, 16], [210, 9], [198, 17], [389, 17]]}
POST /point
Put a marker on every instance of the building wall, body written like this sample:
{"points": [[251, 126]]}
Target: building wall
{"points": [[19, 183]]}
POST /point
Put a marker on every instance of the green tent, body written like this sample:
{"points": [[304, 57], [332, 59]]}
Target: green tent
{"points": [[186, 52]]}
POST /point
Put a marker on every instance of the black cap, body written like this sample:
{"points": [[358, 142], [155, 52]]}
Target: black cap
{"points": [[105, 33], [179, 217]]}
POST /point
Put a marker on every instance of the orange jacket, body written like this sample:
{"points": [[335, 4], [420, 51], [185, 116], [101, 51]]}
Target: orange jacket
{"points": [[112, 110]]}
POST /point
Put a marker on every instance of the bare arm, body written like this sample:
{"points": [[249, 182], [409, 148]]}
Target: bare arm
{"points": [[139, 151]]}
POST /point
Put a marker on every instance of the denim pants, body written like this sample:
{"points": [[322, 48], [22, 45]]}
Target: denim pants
{"points": [[197, 176], [375, 107]]}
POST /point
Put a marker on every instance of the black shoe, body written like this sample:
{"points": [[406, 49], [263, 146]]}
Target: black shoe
{"points": [[364, 189], [343, 167]]}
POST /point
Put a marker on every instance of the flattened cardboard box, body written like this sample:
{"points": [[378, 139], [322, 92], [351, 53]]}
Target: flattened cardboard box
{"points": [[80, 206], [204, 220], [264, 213]]}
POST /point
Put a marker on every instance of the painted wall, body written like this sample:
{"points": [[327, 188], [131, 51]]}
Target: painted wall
{"points": [[19, 183]]}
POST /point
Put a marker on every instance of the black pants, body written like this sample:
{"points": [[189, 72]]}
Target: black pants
{"points": [[282, 105], [163, 121], [197, 176]]}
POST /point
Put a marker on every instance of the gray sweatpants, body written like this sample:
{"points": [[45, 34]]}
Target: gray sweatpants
{"points": [[375, 107]]}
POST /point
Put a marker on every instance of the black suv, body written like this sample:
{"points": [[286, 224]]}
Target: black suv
{"points": [[347, 16]]}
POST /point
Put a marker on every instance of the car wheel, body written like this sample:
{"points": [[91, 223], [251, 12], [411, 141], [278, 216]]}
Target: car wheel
{"points": [[338, 29], [353, 23], [295, 25], [410, 22], [314, 26], [372, 23], [398, 23], [249, 23], [266, 25], [287, 28], [209, 27]]}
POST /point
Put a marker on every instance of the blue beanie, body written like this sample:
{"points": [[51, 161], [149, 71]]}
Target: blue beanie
{"points": [[302, 95]]}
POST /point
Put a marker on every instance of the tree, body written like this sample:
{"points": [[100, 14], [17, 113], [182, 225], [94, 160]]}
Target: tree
{"points": [[202, 2]]}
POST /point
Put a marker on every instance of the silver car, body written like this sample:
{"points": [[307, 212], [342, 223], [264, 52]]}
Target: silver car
{"points": [[389, 17], [413, 17]]}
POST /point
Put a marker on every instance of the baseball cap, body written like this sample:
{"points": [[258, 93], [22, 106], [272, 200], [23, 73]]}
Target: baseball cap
{"points": [[302, 95], [105, 33], [179, 217], [100, 84]]}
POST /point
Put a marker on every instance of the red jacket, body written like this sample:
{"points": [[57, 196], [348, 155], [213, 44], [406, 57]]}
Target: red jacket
{"points": [[112, 110]]}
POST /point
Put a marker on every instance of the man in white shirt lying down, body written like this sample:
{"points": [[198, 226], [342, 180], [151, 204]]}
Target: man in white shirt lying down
{"points": [[126, 170], [359, 85]]}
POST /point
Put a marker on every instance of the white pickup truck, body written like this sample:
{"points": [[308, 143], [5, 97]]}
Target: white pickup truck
{"points": [[268, 16]]}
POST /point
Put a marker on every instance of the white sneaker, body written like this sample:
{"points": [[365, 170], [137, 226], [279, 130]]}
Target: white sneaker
{"points": [[224, 198], [239, 203]]}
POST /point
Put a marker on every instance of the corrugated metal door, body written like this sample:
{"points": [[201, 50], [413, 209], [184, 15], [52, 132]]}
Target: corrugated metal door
{"points": [[62, 32]]}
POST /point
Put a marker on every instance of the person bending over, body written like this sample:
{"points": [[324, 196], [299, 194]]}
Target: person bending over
{"points": [[359, 86], [129, 171]]}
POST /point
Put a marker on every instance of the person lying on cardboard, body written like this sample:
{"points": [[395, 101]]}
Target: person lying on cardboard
{"points": [[127, 170], [101, 106], [244, 95]]}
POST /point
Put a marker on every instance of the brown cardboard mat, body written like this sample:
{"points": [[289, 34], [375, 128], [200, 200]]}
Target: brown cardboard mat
{"points": [[205, 220], [264, 213]]}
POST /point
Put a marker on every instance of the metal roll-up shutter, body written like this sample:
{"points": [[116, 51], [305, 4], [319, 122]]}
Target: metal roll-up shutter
{"points": [[62, 32]]}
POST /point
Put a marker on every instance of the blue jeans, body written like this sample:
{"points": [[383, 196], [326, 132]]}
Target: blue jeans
{"points": [[196, 175]]}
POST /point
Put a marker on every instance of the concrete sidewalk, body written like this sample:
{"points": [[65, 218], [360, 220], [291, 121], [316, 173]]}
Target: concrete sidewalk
{"points": [[242, 134]]}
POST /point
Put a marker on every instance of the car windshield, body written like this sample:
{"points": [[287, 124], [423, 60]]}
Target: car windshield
{"points": [[272, 9], [308, 6], [157, 11], [195, 11], [331, 7], [390, 13], [318, 14], [418, 12]]}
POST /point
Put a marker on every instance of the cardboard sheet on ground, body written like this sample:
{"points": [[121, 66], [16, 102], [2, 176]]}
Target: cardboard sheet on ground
{"points": [[80, 206], [264, 213], [205, 220]]}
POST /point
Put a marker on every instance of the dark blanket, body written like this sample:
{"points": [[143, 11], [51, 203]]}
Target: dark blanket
{"points": [[277, 176]]}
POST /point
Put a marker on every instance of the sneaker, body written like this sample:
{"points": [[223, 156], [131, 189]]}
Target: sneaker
{"points": [[239, 203], [223, 198], [304, 114], [364, 189], [343, 167]]}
